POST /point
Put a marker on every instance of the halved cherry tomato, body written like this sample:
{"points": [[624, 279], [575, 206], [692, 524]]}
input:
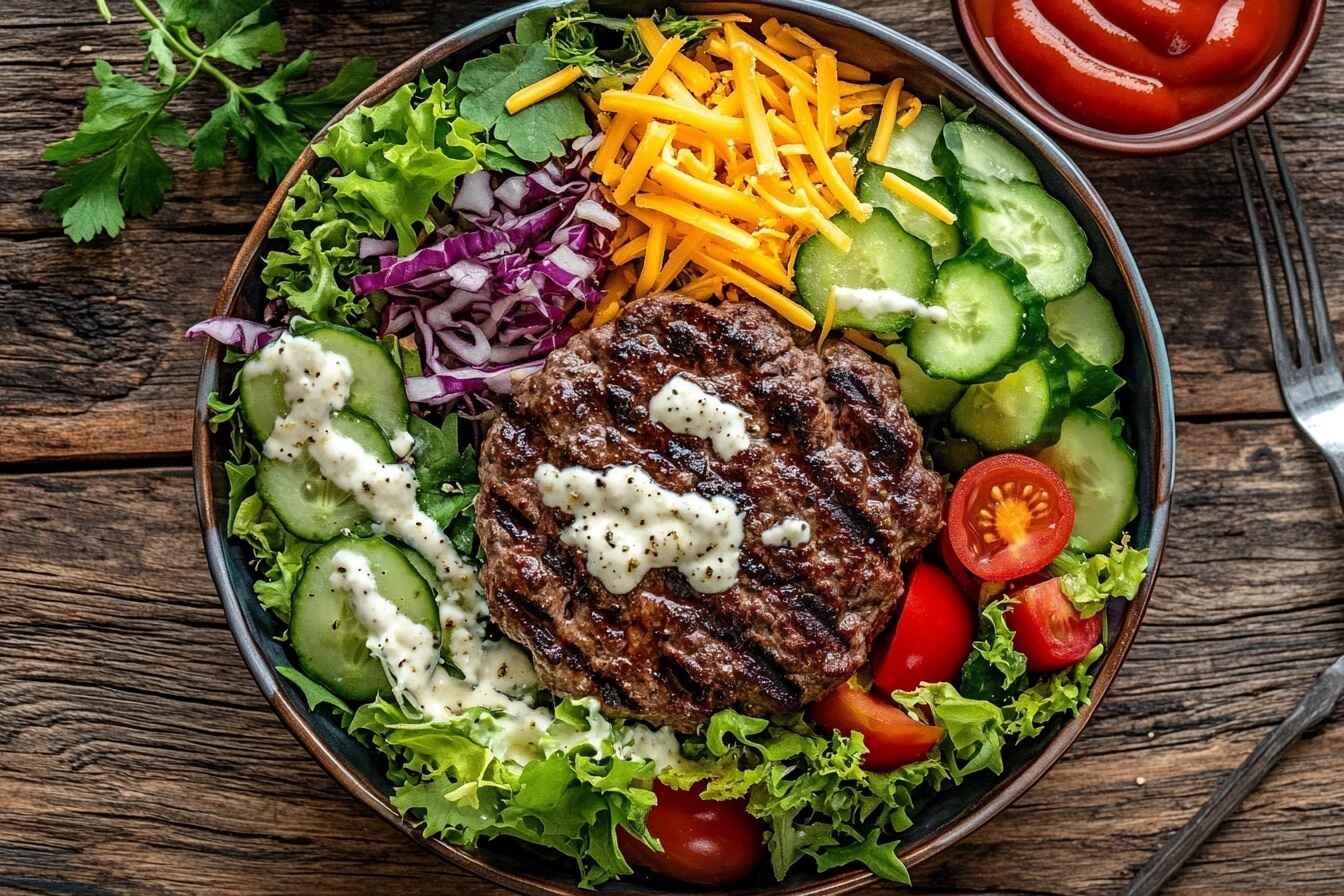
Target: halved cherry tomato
{"points": [[1010, 515], [892, 737], [1048, 630], [932, 637], [709, 842]]}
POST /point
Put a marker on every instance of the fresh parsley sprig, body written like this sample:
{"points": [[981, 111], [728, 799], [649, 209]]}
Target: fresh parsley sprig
{"points": [[111, 166]]}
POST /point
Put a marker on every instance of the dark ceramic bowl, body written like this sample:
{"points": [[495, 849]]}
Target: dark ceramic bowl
{"points": [[1147, 404], [1271, 85]]}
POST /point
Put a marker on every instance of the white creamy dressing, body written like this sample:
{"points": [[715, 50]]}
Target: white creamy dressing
{"points": [[497, 674], [687, 409], [789, 532], [872, 302], [627, 524]]}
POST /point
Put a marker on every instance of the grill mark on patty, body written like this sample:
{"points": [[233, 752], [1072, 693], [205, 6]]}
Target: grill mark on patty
{"points": [[816, 616], [759, 666], [511, 519], [848, 385], [671, 672], [621, 404], [540, 634]]}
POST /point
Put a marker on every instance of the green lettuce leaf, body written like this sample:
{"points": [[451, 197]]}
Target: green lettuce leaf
{"points": [[398, 157], [974, 729], [572, 802], [995, 670], [536, 133], [448, 485], [1089, 582], [1067, 691], [316, 695], [809, 788]]}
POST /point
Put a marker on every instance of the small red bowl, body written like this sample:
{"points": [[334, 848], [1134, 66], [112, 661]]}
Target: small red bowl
{"points": [[1273, 83]]}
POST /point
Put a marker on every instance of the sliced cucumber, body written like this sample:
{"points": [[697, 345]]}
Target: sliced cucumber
{"points": [[911, 148], [923, 395], [376, 390], [994, 320], [324, 631], [1032, 227], [944, 239], [883, 256], [1085, 321], [1102, 474], [1089, 383], [975, 152], [1022, 410], [307, 504]]}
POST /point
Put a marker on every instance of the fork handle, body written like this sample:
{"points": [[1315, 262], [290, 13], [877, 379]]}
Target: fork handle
{"points": [[1314, 707]]}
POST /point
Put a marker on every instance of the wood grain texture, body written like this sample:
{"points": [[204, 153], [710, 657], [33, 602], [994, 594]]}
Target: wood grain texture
{"points": [[1183, 218], [136, 755]]}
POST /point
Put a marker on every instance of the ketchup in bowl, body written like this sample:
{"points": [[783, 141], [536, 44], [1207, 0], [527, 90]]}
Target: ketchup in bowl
{"points": [[1138, 66]]}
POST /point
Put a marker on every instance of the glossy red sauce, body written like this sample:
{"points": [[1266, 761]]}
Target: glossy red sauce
{"points": [[1138, 66]]}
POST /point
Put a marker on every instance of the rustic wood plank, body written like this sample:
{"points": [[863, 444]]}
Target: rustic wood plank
{"points": [[126, 388], [137, 756]]}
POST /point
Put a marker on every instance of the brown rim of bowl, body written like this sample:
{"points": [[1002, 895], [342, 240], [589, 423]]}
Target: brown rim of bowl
{"points": [[294, 713], [1218, 124]]}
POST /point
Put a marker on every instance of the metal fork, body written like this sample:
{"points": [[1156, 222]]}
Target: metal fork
{"points": [[1313, 389]]}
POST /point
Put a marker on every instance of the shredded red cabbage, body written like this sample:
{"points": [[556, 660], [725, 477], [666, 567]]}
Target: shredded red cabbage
{"points": [[246, 336], [485, 304]]}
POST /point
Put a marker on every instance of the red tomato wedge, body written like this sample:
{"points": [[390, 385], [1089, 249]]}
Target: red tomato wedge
{"points": [[969, 584], [708, 842], [932, 637], [892, 737], [1048, 630], [1009, 517]]}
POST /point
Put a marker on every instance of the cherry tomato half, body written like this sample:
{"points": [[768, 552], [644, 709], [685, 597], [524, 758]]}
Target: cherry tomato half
{"points": [[709, 842], [892, 737], [1010, 515], [1048, 630], [932, 637]]}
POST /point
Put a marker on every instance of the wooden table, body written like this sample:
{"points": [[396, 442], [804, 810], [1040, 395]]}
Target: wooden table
{"points": [[136, 755]]}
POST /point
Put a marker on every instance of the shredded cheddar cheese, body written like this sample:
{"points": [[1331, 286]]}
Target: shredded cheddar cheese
{"points": [[725, 159], [918, 198], [547, 87], [886, 123], [910, 114], [828, 321]]}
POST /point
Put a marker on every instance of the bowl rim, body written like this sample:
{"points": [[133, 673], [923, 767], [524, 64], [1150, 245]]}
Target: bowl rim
{"points": [[1224, 120], [292, 710]]}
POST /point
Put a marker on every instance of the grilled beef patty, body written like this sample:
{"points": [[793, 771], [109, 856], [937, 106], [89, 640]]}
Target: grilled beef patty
{"points": [[831, 443]]}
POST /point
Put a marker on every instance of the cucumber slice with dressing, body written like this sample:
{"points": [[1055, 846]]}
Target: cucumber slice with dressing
{"points": [[329, 639], [994, 320], [376, 389], [1035, 229], [883, 256], [1086, 322], [922, 394], [911, 148], [1022, 410], [974, 152], [944, 239], [306, 503], [1102, 474]]}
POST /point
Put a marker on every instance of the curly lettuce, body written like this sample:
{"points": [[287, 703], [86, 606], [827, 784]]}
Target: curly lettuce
{"points": [[1090, 581]]}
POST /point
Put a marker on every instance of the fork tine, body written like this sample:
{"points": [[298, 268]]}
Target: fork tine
{"points": [[1278, 342], [1325, 337], [1290, 277]]}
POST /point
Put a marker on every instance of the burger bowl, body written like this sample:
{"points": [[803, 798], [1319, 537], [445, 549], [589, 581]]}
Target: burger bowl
{"points": [[1146, 405]]}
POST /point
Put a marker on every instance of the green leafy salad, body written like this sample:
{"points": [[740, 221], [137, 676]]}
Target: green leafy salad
{"points": [[454, 233]]}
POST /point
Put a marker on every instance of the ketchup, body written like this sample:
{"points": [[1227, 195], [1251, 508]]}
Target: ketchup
{"points": [[1138, 66]]}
